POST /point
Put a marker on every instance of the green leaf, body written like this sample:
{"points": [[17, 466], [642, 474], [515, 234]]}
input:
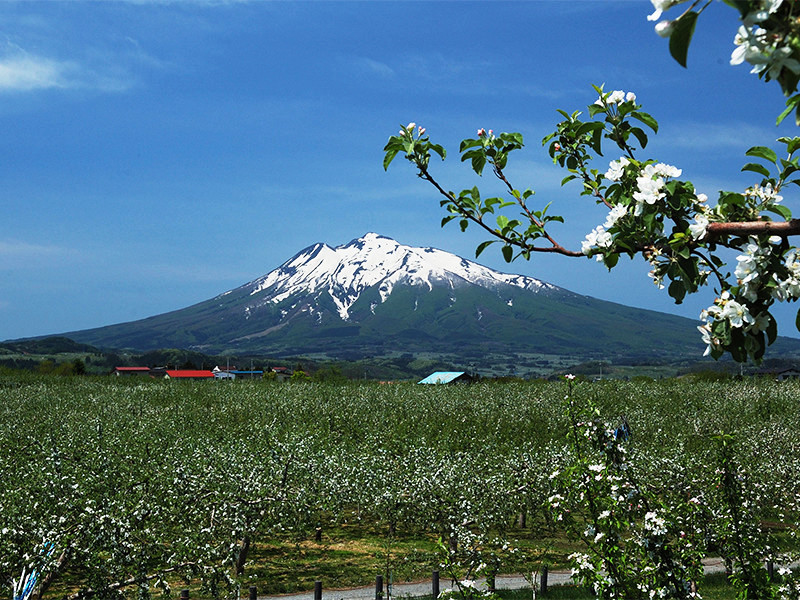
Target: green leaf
{"points": [[792, 144], [763, 152], [595, 109], [597, 138], [781, 210], [478, 163], [468, 143], [481, 247], [389, 158], [508, 253], [682, 36], [646, 119], [640, 135], [756, 168], [772, 330], [791, 104], [587, 127], [512, 137], [677, 291]]}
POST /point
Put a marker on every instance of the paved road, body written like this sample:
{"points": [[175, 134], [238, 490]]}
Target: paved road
{"points": [[422, 588]]}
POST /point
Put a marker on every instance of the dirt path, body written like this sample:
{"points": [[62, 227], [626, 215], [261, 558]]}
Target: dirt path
{"points": [[422, 588]]}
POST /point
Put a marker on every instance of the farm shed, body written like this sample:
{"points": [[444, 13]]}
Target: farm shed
{"points": [[130, 371], [281, 373], [447, 377]]}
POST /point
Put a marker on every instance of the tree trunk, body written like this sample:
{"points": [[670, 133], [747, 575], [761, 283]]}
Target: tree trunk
{"points": [[244, 548]]}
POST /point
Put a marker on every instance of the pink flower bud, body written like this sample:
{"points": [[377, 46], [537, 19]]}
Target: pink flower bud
{"points": [[403, 132], [557, 147], [481, 132], [411, 126], [422, 131], [491, 133]]}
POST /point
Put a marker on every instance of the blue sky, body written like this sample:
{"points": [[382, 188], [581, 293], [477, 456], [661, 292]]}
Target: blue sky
{"points": [[156, 154]]}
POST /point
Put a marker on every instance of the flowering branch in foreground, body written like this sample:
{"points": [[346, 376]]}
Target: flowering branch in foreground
{"points": [[652, 213]]}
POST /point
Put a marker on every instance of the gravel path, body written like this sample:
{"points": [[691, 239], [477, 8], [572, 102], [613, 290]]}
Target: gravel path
{"points": [[422, 588]]}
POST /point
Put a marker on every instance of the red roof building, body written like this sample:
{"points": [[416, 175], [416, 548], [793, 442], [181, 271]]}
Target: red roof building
{"points": [[189, 374], [120, 371]]}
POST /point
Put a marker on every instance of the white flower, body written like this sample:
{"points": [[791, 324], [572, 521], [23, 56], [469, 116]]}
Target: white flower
{"points": [[616, 97], [649, 190], [660, 6], [699, 228], [762, 13], [597, 238], [710, 341], [654, 523], [582, 562], [666, 170], [616, 169], [751, 46], [615, 214], [781, 59], [766, 194], [736, 313], [760, 323]]}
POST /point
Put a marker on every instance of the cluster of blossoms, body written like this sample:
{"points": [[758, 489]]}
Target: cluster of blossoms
{"points": [[769, 51], [616, 97], [650, 183], [765, 50], [737, 315], [751, 267], [654, 524], [408, 130], [597, 238], [766, 194], [789, 288]]}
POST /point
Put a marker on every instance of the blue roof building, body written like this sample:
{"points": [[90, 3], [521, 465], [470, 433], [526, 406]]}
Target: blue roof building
{"points": [[445, 377]]}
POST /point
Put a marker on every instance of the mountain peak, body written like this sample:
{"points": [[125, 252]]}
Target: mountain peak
{"points": [[343, 273]]}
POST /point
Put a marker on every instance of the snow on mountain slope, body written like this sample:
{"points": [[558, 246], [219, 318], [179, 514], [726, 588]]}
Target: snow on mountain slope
{"points": [[346, 271]]}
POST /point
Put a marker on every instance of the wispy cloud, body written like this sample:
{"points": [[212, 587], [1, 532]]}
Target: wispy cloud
{"points": [[704, 136], [25, 73], [16, 253], [373, 67]]}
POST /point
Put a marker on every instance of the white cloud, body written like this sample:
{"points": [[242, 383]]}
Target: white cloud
{"points": [[25, 73]]}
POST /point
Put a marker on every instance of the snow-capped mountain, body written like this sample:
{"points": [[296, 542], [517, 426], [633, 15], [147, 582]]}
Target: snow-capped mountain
{"points": [[344, 273], [376, 297]]}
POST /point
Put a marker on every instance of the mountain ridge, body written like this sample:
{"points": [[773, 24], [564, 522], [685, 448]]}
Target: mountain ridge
{"points": [[374, 296]]}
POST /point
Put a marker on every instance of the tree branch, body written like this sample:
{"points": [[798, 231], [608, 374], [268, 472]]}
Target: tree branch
{"points": [[780, 228]]}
